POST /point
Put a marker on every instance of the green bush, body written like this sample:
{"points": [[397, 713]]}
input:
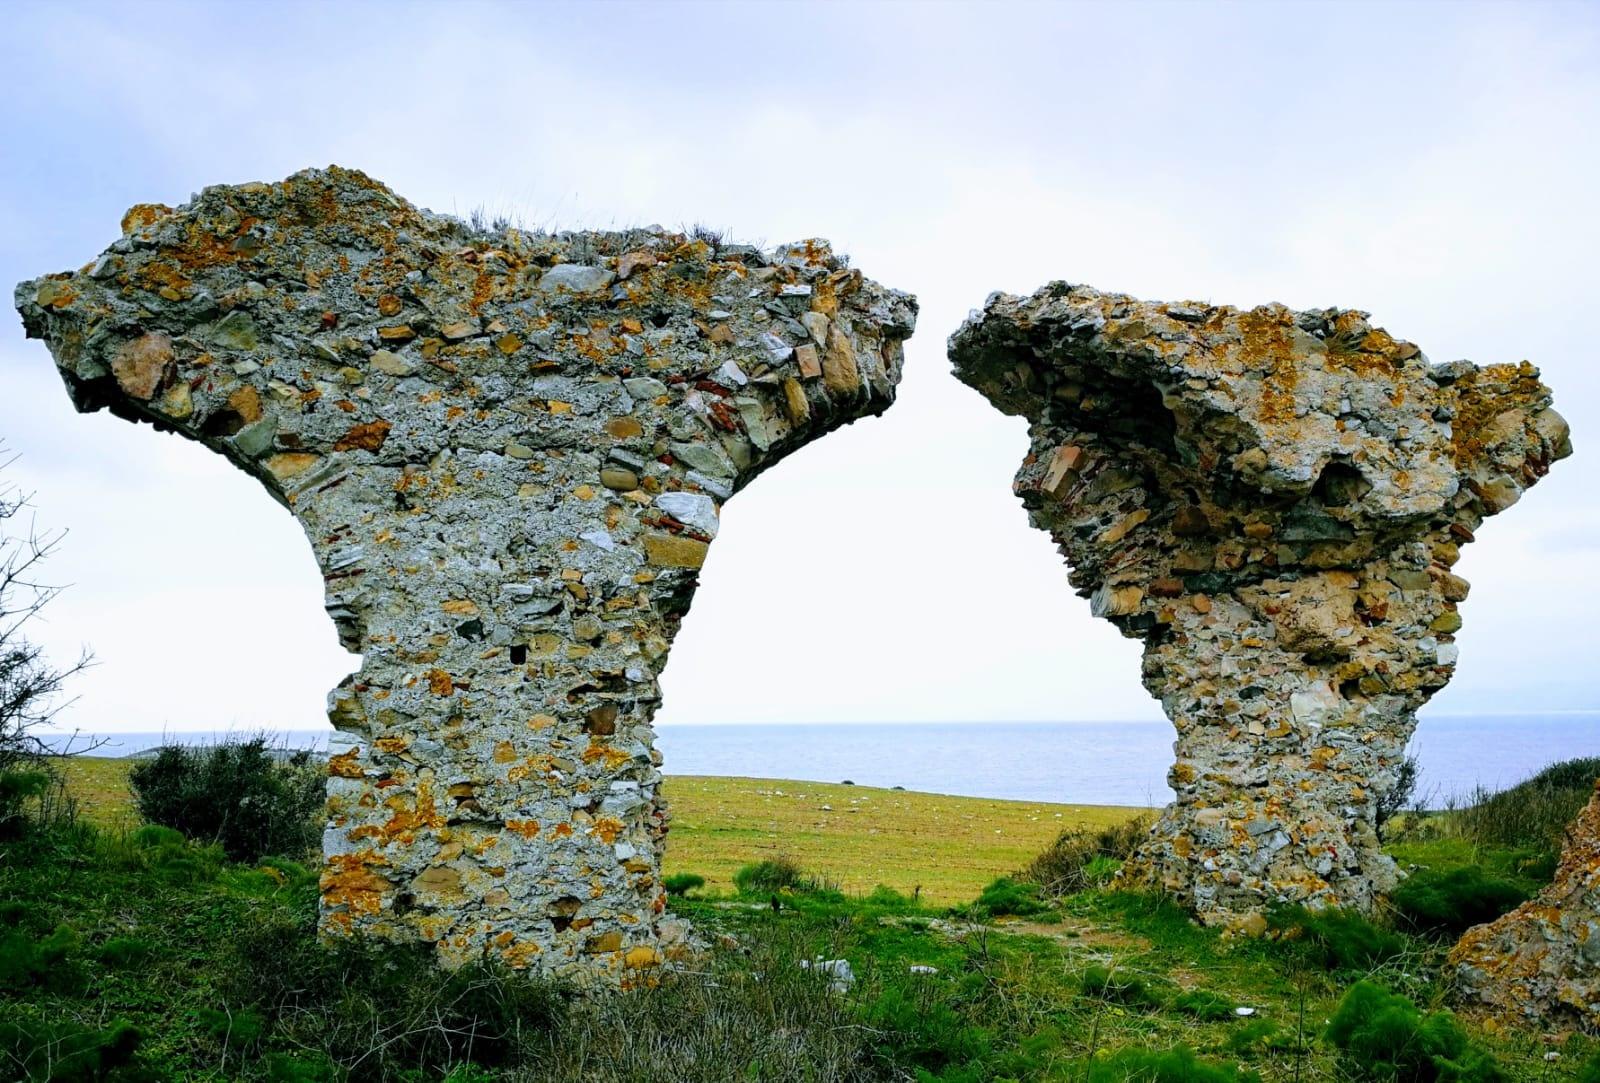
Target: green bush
{"points": [[50, 964], [681, 883], [772, 876], [1384, 1036], [1119, 987], [121, 952], [1084, 857], [241, 795], [65, 1052], [378, 1008], [1452, 902], [1336, 939], [1589, 1072], [1178, 1065], [1005, 897], [19, 786], [1204, 1005]]}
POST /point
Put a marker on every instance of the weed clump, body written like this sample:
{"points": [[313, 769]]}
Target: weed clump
{"points": [[1450, 903], [1204, 1005], [774, 875], [66, 1052], [375, 1009], [1384, 1036], [1119, 987], [1336, 939], [1005, 897], [239, 794], [681, 883], [1085, 857]]}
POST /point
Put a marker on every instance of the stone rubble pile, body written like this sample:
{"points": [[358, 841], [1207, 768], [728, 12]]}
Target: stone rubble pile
{"points": [[509, 452], [1272, 501], [1543, 958]]}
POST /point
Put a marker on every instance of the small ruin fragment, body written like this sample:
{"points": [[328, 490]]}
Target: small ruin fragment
{"points": [[509, 452], [1542, 960], [1272, 501]]}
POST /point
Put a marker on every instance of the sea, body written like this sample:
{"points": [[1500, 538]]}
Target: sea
{"points": [[1089, 763]]}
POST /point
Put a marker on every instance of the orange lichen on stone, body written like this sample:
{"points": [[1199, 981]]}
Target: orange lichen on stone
{"points": [[366, 436]]}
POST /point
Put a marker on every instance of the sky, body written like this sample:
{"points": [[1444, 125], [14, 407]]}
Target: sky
{"points": [[1433, 164]]}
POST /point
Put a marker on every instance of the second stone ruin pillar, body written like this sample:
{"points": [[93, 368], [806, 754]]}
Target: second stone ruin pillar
{"points": [[1273, 502]]}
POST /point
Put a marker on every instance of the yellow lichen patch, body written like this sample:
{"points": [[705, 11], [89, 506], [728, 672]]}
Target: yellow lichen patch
{"points": [[440, 683], [641, 957], [528, 829], [144, 214], [607, 829], [461, 607], [600, 750], [348, 881], [344, 765]]}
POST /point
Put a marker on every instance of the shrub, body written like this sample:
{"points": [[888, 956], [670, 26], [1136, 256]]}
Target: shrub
{"points": [[1336, 939], [1395, 799], [1384, 1036], [65, 1052], [1005, 897], [375, 1009], [681, 883], [238, 794], [1178, 1065], [1589, 1072], [50, 964], [772, 876], [1534, 812], [1452, 902], [1204, 1005], [1084, 857], [1118, 987], [121, 952]]}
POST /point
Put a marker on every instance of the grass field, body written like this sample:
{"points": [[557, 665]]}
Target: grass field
{"points": [[854, 836], [137, 957]]}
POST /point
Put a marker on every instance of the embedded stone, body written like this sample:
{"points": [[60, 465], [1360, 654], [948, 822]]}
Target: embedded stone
{"points": [[1301, 477], [497, 739], [142, 365]]}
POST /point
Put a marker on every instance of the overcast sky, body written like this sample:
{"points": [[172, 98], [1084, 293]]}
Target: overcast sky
{"points": [[1434, 164]]}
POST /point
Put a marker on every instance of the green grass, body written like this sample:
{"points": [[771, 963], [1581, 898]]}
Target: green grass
{"points": [[141, 946]]}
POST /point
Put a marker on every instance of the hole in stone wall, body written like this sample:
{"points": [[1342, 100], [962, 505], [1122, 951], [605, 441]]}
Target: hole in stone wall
{"points": [[1340, 485], [225, 422], [519, 654]]}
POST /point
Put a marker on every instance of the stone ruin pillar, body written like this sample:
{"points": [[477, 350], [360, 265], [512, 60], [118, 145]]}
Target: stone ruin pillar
{"points": [[509, 452], [1272, 501]]}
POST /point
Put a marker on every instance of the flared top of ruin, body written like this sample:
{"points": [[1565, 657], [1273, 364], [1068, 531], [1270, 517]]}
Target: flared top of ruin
{"points": [[333, 279], [1267, 404]]}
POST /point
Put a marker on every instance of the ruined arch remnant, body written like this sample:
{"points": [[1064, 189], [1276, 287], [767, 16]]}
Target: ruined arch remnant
{"points": [[1272, 501], [509, 452]]}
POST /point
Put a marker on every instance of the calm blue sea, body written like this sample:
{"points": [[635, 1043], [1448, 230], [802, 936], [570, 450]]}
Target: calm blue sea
{"points": [[1091, 763]]}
